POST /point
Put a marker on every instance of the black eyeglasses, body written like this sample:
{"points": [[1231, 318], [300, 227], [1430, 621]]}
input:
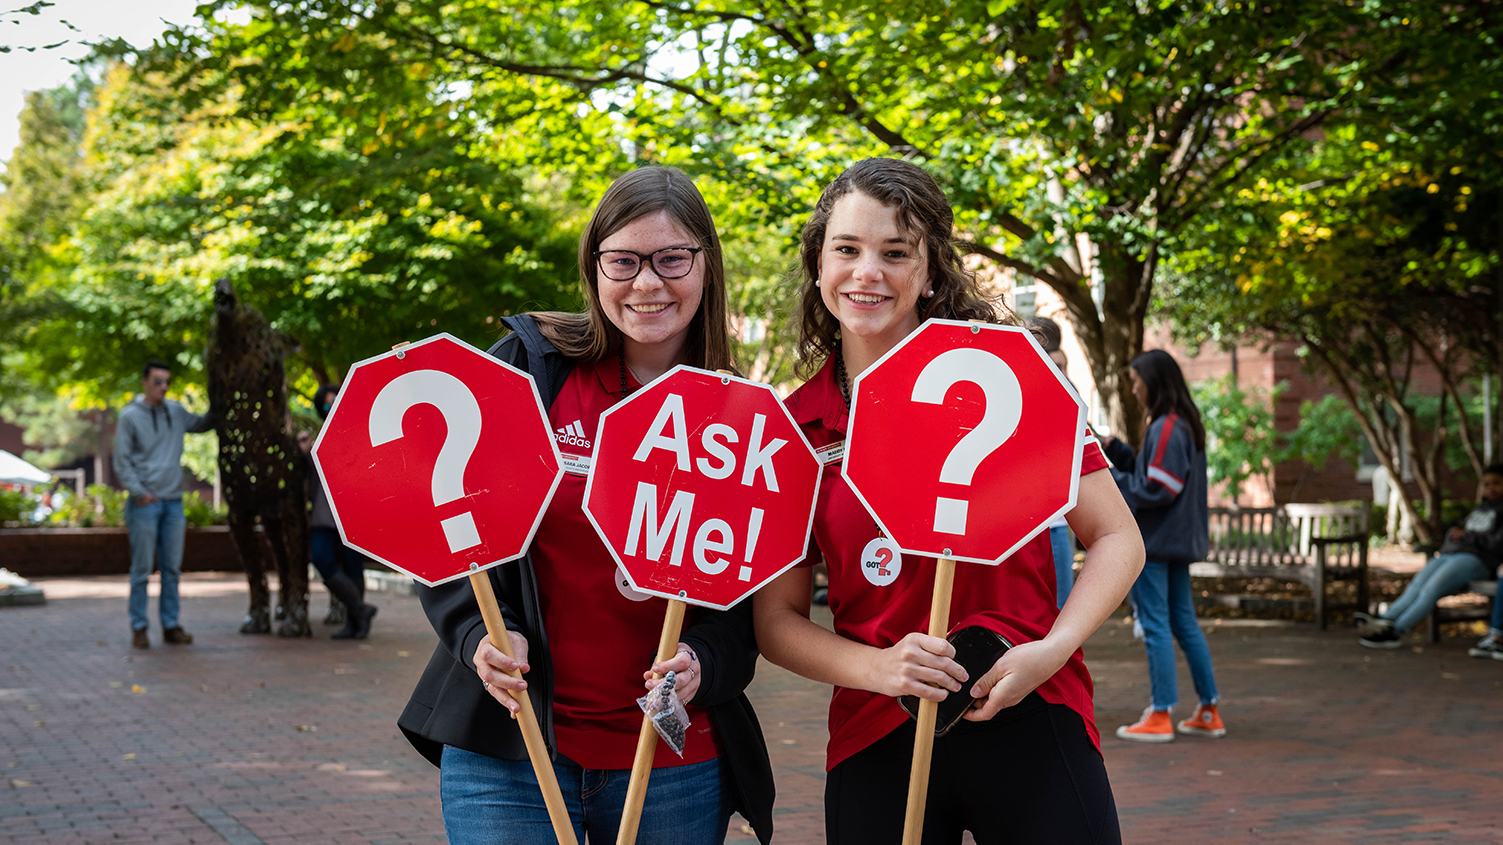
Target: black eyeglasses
{"points": [[623, 265]]}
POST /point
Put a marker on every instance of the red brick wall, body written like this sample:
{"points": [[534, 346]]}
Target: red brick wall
{"points": [[10, 439]]}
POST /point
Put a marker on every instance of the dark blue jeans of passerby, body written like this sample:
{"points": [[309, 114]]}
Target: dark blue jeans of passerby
{"points": [[1167, 610], [331, 555], [1064, 562], [156, 534], [498, 802]]}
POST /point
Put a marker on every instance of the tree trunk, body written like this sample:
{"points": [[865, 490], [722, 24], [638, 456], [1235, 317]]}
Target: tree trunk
{"points": [[1112, 343]]}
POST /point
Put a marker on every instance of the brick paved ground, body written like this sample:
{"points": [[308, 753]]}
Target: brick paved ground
{"points": [[254, 739]]}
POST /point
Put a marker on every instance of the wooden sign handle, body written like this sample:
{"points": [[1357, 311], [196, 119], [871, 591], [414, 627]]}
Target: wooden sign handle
{"points": [[647, 739], [923, 739], [532, 735]]}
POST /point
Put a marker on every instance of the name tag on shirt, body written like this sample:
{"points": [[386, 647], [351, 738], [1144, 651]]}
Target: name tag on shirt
{"points": [[575, 464], [834, 453]]}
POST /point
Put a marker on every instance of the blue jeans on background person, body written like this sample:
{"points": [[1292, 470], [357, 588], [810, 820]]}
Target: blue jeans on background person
{"points": [[499, 802], [1497, 623], [156, 531], [331, 555], [1167, 610], [1442, 576], [1064, 562]]}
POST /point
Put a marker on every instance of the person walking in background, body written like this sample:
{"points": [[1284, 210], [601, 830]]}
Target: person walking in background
{"points": [[341, 567], [1061, 541], [1165, 485], [1470, 553], [149, 465]]}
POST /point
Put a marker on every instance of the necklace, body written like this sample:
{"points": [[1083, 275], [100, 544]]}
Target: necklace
{"points": [[845, 385], [624, 391]]}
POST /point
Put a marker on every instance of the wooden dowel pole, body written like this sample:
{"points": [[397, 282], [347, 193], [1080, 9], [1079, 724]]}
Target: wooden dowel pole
{"points": [[647, 739], [923, 739], [532, 735]]}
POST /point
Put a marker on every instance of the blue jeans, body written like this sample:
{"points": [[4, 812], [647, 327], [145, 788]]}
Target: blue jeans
{"points": [[1497, 623], [1442, 576], [156, 530], [498, 802], [1167, 611], [331, 555], [1064, 562]]}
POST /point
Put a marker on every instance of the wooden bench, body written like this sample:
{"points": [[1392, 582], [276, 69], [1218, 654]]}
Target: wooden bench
{"points": [[1440, 615], [1312, 544]]}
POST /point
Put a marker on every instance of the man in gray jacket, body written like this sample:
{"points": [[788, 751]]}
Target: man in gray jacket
{"points": [[148, 463]]}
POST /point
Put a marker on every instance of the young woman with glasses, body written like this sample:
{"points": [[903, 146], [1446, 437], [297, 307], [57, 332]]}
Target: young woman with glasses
{"points": [[1025, 764], [654, 288]]}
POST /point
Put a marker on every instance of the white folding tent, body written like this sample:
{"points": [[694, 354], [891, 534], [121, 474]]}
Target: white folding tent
{"points": [[13, 470]]}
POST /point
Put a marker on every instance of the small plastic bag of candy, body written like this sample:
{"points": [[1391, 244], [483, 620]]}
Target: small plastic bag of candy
{"points": [[668, 715]]}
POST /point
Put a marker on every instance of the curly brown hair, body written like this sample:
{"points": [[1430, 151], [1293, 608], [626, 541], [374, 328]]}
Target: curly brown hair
{"points": [[923, 208]]}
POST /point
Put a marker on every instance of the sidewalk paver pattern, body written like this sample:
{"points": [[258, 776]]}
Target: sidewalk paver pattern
{"points": [[252, 740]]}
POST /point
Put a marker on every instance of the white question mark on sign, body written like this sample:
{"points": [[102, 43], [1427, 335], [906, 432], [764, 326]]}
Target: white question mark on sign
{"points": [[462, 413], [1004, 408]]}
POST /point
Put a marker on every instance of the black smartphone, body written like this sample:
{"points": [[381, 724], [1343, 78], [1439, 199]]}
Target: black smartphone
{"points": [[976, 650]]}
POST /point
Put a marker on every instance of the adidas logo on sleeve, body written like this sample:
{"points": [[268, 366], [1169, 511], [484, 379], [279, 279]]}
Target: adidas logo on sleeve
{"points": [[573, 434]]}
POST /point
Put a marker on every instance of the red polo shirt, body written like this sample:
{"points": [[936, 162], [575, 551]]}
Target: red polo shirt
{"points": [[601, 640], [1016, 599]]}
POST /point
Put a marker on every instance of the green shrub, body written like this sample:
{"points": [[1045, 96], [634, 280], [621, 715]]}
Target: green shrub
{"points": [[16, 508], [100, 507], [201, 513]]}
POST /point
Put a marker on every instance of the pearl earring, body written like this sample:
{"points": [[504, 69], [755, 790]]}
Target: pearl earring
{"points": [[816, 282], [929, 292]]}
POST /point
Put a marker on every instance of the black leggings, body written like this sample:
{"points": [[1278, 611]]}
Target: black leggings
{"points": [[1030, 775]]}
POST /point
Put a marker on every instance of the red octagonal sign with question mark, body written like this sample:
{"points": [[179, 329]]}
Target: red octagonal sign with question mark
{"points": [[702, 487], [964, 441], [438, 460]]}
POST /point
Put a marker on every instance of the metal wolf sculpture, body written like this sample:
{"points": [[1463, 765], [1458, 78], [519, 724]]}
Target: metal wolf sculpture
{"points": [[261, 469]]}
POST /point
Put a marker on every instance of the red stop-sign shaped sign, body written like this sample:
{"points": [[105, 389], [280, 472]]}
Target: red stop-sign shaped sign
{"points": [[702, 487], [438, 460], [964, 441]]}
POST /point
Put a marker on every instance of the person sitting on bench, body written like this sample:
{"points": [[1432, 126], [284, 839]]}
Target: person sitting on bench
{"points": [[1470, 553]]}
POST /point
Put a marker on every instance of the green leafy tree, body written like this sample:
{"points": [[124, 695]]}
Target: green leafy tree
{"points": [[57, 427], [346, 247], [1241, 440], [1327, 431], [44, 193], [1045, 120], [1375, 250]]}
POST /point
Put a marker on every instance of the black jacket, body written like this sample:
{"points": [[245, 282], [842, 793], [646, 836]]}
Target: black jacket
{"points": [[450, 707], [1484, 534]]}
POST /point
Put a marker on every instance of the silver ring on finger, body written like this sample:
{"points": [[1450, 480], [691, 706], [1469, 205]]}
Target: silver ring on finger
{"points": [[693, 673], [487, 685]]}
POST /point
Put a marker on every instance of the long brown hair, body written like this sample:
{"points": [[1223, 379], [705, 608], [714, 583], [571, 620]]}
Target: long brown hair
{"points": [[922, 208], [1168, 393], [589, 336]]}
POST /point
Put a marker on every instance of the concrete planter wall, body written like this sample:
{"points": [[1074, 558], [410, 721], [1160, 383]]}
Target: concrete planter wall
{"points": [[56, 552]]}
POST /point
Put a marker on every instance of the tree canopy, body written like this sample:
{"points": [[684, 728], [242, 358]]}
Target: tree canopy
{"points": [[1121, 121], [1377, 248], [368, 170], [346, 248]]}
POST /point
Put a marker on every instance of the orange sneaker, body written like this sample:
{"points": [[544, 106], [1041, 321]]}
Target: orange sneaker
{"points": [[1205, 722], [1155, 726]]}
